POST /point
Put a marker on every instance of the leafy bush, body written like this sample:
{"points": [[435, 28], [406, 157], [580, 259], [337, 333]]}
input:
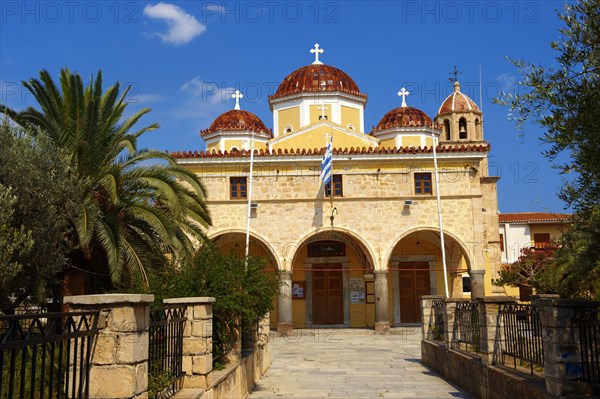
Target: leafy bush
{"points": [[243, 289]]}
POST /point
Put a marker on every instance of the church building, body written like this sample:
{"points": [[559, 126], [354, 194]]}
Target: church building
{"points": [[361, 250]]}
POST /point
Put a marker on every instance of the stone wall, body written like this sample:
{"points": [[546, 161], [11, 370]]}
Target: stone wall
{"points": [[119, 361], [482, 381], [478, 374]]}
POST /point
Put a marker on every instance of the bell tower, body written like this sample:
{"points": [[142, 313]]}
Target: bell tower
{"points": [[459, 118]]}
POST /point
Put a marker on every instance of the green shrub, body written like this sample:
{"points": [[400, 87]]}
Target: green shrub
{"points": [[243, 289]]}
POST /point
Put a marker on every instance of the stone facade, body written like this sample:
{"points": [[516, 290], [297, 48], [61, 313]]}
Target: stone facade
{"points": [[383, 217]]}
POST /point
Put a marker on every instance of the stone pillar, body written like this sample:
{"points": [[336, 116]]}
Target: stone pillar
{"points": [[197, 340], [449, 318], [562, 354], [489, 323], [477, 283], [427, 315], [382, 320], [119, 364], [284, 311]]}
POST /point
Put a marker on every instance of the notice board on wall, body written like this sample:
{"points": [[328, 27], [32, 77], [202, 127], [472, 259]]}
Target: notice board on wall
{"points": [[357, 291]]}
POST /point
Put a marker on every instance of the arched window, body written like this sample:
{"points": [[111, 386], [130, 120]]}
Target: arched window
{"points": [[447, 129], [462, 128], [478, 129]]}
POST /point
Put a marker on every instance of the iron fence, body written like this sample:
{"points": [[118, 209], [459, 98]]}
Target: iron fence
{"points": [[466, 326], [522, 336], [588, 325], [46, 355], [165, 355], [436, 320]]}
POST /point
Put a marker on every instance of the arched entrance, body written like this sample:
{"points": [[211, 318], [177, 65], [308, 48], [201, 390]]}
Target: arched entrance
{"points": [[235, 242], [332, 282], [416, 268]]}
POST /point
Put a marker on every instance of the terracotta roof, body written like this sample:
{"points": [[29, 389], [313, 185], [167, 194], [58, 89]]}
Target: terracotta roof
{"points": [[320, 151], [458, 102], [317, 78], [403, 117], [238, 121], [524, 217]]}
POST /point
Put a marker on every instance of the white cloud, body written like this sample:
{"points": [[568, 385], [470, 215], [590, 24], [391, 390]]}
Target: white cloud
{"points": [[215, 8], [183, 27], [507, 82]]}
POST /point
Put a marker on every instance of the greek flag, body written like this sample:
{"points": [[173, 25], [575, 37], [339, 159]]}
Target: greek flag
{"points": [[326, 164]]}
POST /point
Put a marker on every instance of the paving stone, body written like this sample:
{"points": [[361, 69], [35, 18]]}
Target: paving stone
{"points": [[351, 363]]}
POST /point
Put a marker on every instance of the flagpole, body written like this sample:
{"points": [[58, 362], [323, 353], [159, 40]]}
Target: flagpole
{"points": [[249, 198], [439, 209]]}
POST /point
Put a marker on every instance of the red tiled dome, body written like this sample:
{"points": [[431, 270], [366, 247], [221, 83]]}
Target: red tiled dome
{"points": [[404, 117], [458, 102], [237, 120], [317, 78]]}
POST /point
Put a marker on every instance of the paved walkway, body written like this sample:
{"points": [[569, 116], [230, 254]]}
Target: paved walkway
{"points": [[351, 364]]}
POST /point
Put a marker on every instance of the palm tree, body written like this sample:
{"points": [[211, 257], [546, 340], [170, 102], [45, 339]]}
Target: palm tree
{"points": [[141, 210]]}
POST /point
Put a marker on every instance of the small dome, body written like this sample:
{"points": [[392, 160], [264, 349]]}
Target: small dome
{"points": [[317, 78], [404, 117], [458, 102], [238, 121]]}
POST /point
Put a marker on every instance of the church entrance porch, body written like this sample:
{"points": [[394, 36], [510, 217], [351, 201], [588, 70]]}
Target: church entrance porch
{"points": [[331, 277], [416, 269]]}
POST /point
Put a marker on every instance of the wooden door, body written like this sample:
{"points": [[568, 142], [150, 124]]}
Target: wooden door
{"points": [[412, 285], [328, 294]]}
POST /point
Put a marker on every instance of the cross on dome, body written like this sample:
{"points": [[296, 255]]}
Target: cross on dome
{"points": [[237, 95], [323, 108], [455, 72], [316, 51], [403, 93]]}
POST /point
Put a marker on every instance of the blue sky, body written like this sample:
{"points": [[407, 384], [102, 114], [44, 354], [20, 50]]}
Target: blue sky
{"points": [[183, 60]]}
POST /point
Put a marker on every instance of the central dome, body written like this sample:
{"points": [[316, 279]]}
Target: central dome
{"points": [[404, 117], [317, 78], [236, 121]]}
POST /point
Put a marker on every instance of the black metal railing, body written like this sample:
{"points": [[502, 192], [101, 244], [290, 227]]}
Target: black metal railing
{"points": [[46, 355], [165, 355], [588, 325], [436, 320], [522, 340], [466, 326]]}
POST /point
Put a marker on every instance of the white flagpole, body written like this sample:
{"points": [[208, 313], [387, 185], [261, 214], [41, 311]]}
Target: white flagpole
{"points": [[249, 198], [439, 209]]}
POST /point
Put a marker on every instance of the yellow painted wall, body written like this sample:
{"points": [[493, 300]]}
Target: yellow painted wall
{"points": [[315, 138], [350, 116], [387, 143], [411, 141], [289, 117], [299, 305]]}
